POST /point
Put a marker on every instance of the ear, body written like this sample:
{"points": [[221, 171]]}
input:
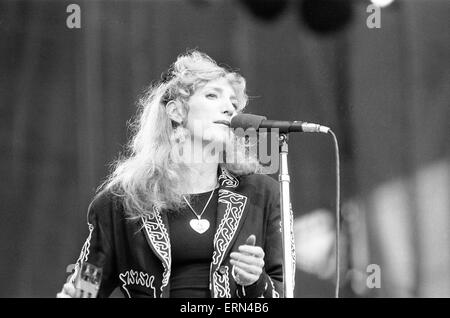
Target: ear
{"points": [[175, 111]]}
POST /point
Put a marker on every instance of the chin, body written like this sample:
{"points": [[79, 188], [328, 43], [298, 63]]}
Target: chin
{"points": [[215, 142], [217, 136]]}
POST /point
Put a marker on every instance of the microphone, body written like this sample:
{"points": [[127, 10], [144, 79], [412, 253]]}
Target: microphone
{"points": [[257, 122]]}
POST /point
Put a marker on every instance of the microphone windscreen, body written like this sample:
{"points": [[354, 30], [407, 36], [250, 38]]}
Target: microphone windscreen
{"points": [[246, 121]]}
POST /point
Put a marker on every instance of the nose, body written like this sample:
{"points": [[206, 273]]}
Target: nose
{"points": [[229, 109]]}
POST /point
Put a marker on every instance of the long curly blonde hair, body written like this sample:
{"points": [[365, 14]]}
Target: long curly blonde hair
{"points": [[150, 174]]}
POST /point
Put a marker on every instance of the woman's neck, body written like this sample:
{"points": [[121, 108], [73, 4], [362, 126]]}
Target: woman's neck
{"points": [[200, 177], [201, 173]]}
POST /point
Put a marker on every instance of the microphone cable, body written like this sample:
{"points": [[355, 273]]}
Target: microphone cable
{"points": [[338, 214]]}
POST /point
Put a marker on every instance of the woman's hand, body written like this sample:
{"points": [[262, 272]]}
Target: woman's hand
{"points": [[248, 263], [68, 291]]}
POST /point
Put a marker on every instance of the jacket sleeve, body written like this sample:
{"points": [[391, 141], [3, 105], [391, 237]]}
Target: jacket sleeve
{"points": [[98, 247], [270, 283]]}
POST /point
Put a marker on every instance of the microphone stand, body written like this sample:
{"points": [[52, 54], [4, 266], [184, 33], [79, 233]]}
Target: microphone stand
{"points": [[286, 220]]}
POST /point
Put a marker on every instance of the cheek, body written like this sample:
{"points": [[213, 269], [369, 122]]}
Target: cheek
{"points": [[195, 114], [204, 108], [199, 119], [196, 125]]}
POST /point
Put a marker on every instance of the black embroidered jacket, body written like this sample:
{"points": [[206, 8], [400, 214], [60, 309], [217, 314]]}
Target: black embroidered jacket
{"points": [[136, 257]]}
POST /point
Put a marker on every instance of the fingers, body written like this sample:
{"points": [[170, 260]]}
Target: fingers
{"points": [[252, 269], [245, 278], [252, 250], [247, 259]]}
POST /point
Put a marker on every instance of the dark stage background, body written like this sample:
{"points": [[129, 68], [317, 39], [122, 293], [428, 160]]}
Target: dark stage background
{"points": [[66, 94]]}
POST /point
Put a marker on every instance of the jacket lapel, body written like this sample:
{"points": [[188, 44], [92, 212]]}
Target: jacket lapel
{"points": [[231, 212], [158, 238]]}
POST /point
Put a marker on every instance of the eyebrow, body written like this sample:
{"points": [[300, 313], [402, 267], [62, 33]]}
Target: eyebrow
{"points": [[220, 90]]}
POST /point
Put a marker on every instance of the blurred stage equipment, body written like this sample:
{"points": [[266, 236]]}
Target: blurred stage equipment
{"points": [[266, 9], [255, 122], [325, 16]]}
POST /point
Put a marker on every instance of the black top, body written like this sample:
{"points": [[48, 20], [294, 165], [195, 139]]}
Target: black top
{"points": [[191, 251]]}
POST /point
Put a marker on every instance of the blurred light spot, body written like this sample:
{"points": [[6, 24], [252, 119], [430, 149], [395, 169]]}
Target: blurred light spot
{"points": [[314, 243], [382, 3]]}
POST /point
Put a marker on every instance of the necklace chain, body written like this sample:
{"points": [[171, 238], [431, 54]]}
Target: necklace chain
{"points": [[199, 216]]}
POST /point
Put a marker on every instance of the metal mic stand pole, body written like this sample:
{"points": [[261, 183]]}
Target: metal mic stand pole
{"points": [[286, 221]]}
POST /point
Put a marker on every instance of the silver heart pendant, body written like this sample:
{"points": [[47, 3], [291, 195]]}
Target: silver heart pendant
{"points": [[199, 226]]}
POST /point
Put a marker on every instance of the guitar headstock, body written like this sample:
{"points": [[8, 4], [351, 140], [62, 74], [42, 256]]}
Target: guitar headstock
{"points": [[87, 282]]}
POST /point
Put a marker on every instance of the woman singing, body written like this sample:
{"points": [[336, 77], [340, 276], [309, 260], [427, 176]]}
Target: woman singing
{"points": [[185, 213]]}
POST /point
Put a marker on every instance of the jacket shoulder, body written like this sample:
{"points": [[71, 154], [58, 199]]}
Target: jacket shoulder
{"points": [[263, 183], [262, 179], [104, 205]]}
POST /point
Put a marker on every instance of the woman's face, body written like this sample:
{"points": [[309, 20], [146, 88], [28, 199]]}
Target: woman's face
{"points": [[210, 110]]}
